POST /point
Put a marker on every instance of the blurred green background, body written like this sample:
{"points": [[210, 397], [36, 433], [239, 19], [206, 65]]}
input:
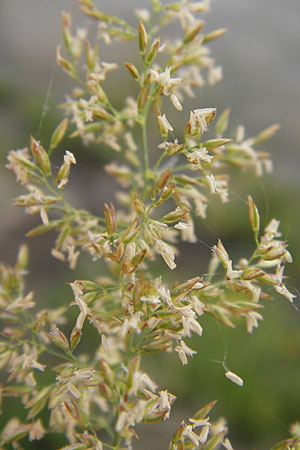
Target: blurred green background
{"points": [[260, 59]]}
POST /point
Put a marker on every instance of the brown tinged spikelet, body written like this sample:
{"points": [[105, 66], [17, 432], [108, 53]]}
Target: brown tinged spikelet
{"points": [[176, 215], [166, 194], [107, 373], [75, 337], [222, 122], [184, 288], [120, 250], [58, 338], [252, 273], [91, 55], [185, 180], [188, 129], [63, 174], [214, 35], [131, 233], [174, 149], [40, 156], [65, 64], [193, 33], [40, 322], [138, 205], [253, 216], [162, 184], [110, 217], [132, 70], [214, 143], [142, 98], [138, 258], [65, 23], [105, 391], [58, 134], [143, 39], [164, 180], [153, 51], [96, 89], [102, 114], [267, 133], [41, 229], [133, 368]]}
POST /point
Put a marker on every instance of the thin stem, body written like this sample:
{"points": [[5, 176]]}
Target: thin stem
{"points": [[158, 162], [58, 355], [145, 145], [182, 167]]}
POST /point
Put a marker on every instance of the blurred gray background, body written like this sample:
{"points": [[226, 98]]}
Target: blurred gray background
{"points": [[260, 56]]}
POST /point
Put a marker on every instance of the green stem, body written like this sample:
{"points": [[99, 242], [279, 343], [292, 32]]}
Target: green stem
{"points": [[158, 162], [182, 167], [117, 440], [58, 355], [145, 145]]}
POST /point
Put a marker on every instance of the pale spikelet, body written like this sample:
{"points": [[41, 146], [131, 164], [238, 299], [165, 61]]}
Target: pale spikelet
{"points": [[199, 422], [37, 431], [240, 133], [121, 422], [176, 102], [165, 80], [14, 428], [204, 434], [143, 14], [166, 253], [102, 34], [57, 254], [84, 374], [44, 216], [215, 75], [226, 444], [72, 389], [105, 344], [234, 378], [164, 124], [184, 350], [72, 256], [69, 158], [199, 155], [286, 293], [141, 381], [212, 184], [181, 226], [134, 323], [130, 141], [21, 303], [199, 119], [165, 403], [190, 326], [83, 312], [19, 162], [98, 446], [188, 432], [252, 320]]}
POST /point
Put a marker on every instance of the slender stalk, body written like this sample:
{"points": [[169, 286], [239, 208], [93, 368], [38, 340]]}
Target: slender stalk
{"points": [[158, 162], [145, 146]]}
